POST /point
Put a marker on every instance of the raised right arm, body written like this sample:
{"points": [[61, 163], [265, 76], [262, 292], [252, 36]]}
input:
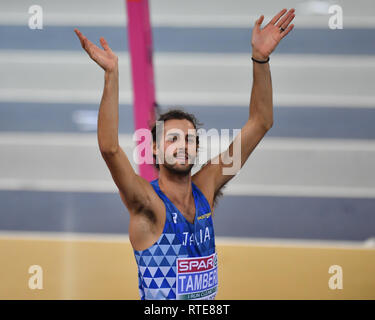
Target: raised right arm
{"points": [[132, 187], [136, 192]]}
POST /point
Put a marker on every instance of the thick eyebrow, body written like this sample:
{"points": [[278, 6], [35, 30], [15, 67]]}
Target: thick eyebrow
{"points": [[177, 134], [173, 134]]}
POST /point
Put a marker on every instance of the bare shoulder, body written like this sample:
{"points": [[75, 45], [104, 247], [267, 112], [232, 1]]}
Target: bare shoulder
{"points": [[148, 200]]}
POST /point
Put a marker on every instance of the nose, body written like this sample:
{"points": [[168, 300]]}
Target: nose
{"points": [[180, 145], [181, 150]]}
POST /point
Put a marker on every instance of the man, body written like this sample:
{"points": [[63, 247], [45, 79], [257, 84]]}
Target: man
{"points": [[171, 228]]}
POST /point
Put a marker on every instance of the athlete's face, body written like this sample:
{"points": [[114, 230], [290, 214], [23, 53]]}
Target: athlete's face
{"points": [[177, 149]]}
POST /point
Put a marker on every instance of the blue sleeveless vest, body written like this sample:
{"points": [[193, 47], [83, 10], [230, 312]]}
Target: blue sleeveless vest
{"points": [[182, 263]]}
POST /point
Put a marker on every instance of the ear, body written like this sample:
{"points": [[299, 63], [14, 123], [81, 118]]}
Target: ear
{"points": [[154, 148]]}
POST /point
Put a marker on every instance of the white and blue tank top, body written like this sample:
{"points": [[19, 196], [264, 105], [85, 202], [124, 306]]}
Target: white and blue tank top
{"points": [[182, 263]]}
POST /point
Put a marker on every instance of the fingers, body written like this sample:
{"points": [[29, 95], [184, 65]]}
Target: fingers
{"points": [[104, 44], [286, 19], [284, 33], [259, 21], [277, 17], [287, 22], [86, 44], [82, 38], [80, 35]]}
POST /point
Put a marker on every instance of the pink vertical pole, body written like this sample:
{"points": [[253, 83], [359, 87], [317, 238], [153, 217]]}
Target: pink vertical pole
{"points": [[140, 44]]}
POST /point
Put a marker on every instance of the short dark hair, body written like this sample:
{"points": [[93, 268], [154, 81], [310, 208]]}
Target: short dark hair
{"points": [[175, 113]]}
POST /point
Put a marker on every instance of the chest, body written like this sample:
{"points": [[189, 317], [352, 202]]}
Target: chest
{"points": [[188, 211]]}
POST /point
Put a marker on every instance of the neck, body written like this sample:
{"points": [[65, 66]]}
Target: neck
{"points": [[176, 187]]}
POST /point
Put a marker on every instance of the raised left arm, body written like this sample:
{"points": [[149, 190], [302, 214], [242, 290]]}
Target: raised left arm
{"points": [[212, 177], [263, 42]]}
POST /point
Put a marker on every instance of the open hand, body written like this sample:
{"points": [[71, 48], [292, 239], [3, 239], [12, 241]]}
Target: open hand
{"points": [[265, 40], [104, 58]]}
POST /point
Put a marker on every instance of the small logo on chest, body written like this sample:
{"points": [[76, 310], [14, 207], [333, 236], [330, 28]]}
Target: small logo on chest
{"points": [[174, 214], [204, 216]]}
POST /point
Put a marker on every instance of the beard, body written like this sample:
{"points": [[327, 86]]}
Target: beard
{"points": [[178, 169]]}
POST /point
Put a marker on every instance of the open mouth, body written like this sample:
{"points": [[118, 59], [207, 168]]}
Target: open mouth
{"points": [[182, 157]]}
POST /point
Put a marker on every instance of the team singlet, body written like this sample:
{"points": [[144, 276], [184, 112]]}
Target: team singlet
{"points": [[182, 263]]}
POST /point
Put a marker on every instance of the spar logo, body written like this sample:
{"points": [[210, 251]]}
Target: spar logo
{"points": [[196, 264], [197, 278]]}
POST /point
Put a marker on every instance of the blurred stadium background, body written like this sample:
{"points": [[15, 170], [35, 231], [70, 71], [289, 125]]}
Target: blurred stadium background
{"points": [[304, 201]]}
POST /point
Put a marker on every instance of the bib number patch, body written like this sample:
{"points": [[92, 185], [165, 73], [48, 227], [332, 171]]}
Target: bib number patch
{"points": [[196, 278]]}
